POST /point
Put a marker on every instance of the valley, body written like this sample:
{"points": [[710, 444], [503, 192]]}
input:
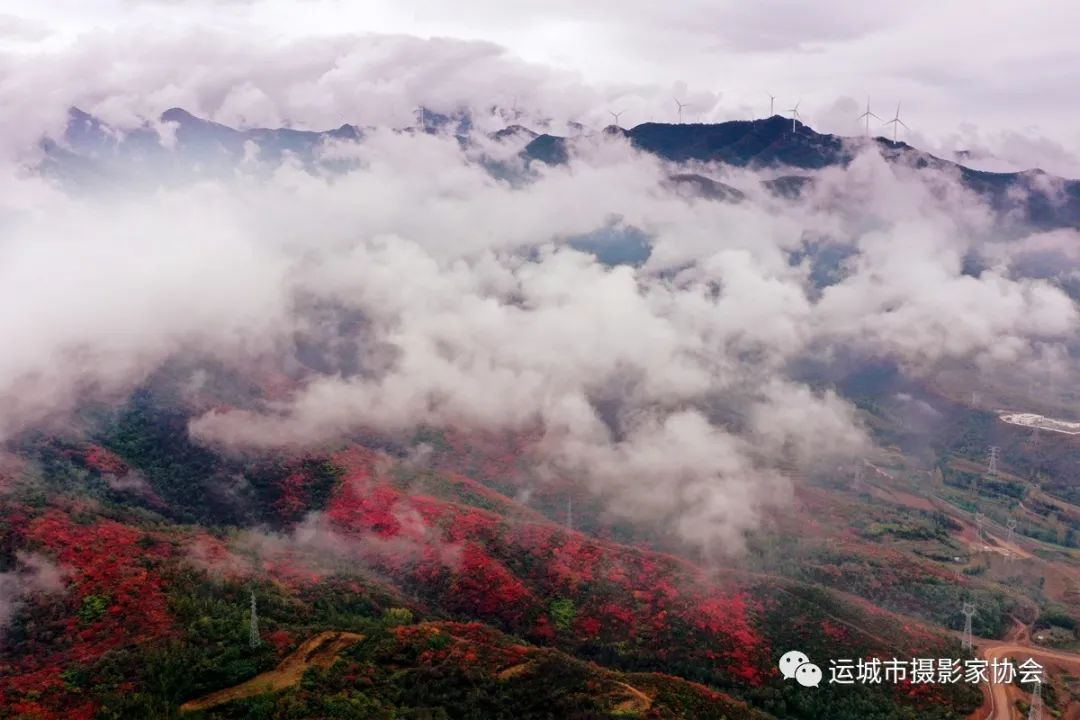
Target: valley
{"points": [[465, 413], [874, 559]]}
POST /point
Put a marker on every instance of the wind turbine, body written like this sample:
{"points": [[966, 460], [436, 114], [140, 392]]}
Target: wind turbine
{"points": [[772, 103], [616, 116], [869, 115], [680, 105], [794, 115], [896, 122]]}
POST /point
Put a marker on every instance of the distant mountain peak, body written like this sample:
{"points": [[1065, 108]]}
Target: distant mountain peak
{"points": [[75, 113], [774, 142], [179, 115], [1021, 198], [514, 131]]}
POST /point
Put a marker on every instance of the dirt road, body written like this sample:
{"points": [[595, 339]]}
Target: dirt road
{"points": [[319, 651], [1003, 697], [636, 702]]}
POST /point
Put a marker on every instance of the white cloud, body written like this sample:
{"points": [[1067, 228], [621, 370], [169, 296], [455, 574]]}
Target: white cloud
{"points": [[33, 574], [663, 388], [270, 61]]}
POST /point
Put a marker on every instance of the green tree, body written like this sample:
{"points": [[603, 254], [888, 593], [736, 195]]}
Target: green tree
{"points": [[93, 607], [392, 617], [562, 613]]}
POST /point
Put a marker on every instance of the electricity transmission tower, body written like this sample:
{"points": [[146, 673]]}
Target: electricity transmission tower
{"points": [[254, 639], [995, 452], [979, 520], [969, 610], [1035, 711], [1010, 525]]}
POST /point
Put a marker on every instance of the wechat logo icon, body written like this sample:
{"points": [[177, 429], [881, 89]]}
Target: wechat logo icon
{"points": [[795, 664]]}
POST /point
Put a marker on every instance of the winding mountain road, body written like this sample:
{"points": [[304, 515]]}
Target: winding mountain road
{"points": [[1003, 697]]}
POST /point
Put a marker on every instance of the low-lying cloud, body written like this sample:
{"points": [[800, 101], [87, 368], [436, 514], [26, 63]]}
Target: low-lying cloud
{"points": [[33, 574], [435, 294]]}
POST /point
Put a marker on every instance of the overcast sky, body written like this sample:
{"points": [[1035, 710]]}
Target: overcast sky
{"points": [[999, 74]]}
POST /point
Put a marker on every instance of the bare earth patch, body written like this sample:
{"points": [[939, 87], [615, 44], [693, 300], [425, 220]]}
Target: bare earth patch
{"points": [[514, 670], [636, 702], [319, 651]]}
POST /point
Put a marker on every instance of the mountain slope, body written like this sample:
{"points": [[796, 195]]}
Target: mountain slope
{"points": [[366, 548]]}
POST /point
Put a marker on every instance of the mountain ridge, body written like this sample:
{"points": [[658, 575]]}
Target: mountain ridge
{"points": [[90, 150], [1033, 197]]}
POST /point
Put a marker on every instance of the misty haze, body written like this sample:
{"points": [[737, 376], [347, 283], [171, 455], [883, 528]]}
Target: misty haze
{"points": [[382, 360]]}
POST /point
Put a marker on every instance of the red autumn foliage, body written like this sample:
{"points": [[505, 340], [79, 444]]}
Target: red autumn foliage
{"points": [[105, 462], [833, 630], [293, 500], [729, 616], [471, 645], [587, 627], [106, 560], [484, 587], [488, 456], [464, 559], [476, 563], [214, 556], [282, 640], [102, 559], [455, 557]]}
